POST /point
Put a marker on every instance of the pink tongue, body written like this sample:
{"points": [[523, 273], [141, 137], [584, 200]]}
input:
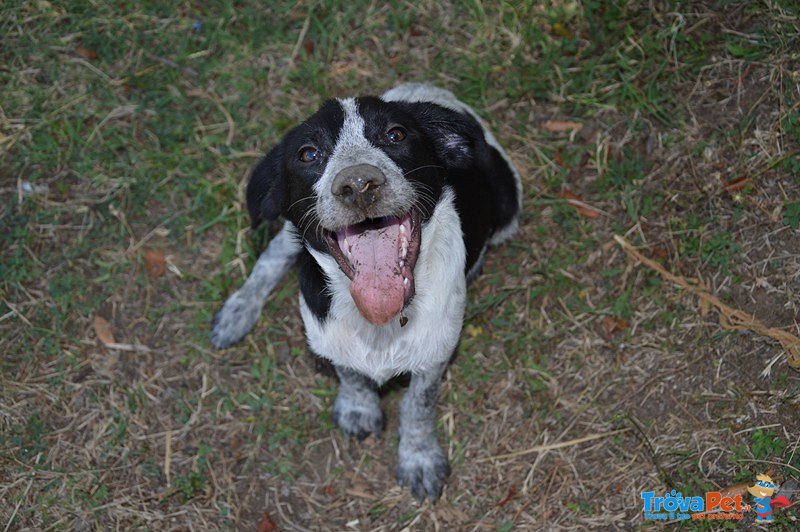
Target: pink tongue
{"points": [[377, 286]]}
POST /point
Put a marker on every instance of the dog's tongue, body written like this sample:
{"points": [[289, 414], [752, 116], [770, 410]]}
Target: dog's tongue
{"points": [[377, 286]]}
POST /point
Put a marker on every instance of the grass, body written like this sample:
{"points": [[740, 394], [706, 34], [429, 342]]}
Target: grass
{"points": [[129, 127]]}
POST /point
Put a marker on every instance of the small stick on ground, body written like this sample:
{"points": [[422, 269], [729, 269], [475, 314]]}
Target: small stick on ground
{"points": [[552, 446], [730, 318]]}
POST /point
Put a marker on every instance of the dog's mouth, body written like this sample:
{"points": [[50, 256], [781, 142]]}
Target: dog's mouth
{"points": [[379, 255]]}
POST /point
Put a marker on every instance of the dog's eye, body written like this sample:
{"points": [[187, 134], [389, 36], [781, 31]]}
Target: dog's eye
{"points": [[396, 134], [309, 154]]}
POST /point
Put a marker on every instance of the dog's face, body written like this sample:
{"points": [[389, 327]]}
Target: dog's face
{"points": [[358, 179]]}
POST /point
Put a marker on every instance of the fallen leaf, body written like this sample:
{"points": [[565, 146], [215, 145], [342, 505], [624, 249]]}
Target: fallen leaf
{"points": [[736, 185], [736, 489], [559, 126], [660, 252], [558, 158], [102, 329], [613, 324], [512, 490], [154, 262], [562, 31], [86, 53], [308, 46], [568, 194], [472, 330], [583, 208], [267, 524]]}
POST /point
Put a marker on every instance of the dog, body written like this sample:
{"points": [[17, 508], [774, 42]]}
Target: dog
{"points": [[390, 204]]}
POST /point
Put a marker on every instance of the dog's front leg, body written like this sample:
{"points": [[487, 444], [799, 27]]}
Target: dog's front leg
{"points": [[243, 308], [357, 409], [421, 465]]}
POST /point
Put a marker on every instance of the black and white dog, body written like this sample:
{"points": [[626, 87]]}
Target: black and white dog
{"points": [[390, 204]]}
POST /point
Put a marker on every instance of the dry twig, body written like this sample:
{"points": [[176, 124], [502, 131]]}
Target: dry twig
{"points": [[552, 446], [730, 318]]}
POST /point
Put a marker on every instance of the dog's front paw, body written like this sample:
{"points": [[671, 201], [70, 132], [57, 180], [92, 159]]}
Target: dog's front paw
{"points": [[235, 319], [422, 467], [358, 416]]}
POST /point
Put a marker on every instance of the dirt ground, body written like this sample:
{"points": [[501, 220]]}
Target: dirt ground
{"points": [[584, 376]]}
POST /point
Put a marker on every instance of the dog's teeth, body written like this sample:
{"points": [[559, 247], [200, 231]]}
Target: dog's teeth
{"points": [[402, 263], [402, 228], [405, 281]]}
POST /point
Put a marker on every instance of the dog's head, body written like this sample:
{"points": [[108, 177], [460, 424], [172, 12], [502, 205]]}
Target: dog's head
{"points": [[359, 179]]}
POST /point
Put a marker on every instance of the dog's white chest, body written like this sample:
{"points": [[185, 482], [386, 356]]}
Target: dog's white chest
{"points": [[435, 315]]}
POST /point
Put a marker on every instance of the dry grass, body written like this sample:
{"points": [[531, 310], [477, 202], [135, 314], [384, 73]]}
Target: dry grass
{"points": [[581, 379]]}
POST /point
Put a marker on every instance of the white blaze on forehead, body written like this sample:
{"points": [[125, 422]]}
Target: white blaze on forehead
{"points": [[350, 142], [352, 134]]}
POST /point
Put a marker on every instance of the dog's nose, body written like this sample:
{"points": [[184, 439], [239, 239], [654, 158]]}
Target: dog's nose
{"points": [[358, 186]]}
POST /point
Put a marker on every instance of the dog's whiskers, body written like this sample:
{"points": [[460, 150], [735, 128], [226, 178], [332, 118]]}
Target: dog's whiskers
{"points": [[309, 219], [307, 198], [406, 174]]}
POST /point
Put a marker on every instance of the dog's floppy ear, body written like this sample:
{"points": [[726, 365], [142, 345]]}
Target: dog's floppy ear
{"points": [[266, 191], [456, 136]]}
